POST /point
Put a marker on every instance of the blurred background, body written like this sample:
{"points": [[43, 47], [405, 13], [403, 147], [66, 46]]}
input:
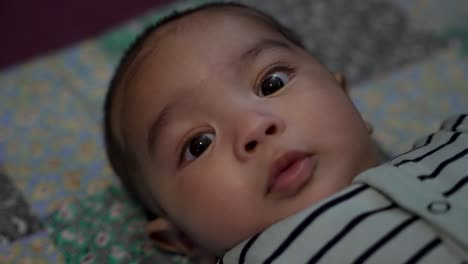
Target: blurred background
{"points": [[30, 28]]}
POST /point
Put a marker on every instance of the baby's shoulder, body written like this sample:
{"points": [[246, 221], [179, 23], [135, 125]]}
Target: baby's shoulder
{"points": [[452, 135], [456, 123], [452, 130]]}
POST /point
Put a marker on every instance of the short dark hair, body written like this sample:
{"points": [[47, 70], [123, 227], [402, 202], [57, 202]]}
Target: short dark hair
{"points": [[121, 160]]}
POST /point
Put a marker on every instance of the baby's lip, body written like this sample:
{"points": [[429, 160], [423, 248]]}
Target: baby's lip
{"points": [[289, 172]]}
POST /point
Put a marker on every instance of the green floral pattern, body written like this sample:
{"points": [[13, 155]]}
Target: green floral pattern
{"points": [[104, 228]]}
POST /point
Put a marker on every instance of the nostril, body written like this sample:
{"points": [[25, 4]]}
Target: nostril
{"points": [[271, 130], [250, 146]]}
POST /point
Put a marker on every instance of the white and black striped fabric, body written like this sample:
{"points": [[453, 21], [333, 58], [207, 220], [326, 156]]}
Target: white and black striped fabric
{"points": [[413, 209]]}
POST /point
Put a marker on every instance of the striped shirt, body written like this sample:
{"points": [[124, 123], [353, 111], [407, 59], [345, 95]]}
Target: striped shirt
{"points": [[412, 209]]}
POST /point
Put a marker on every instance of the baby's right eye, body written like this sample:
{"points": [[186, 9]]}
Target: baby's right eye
{"points": [[274, 82], [196, 146]]}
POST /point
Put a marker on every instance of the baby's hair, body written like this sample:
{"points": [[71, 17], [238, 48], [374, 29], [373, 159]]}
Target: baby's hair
{"points": [[122, 161]]}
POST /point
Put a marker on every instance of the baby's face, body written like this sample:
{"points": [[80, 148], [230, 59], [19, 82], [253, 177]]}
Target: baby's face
{"points": [[235, 128]]}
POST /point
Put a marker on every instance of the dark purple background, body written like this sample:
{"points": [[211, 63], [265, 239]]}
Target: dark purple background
{"points": [[29, 27]]}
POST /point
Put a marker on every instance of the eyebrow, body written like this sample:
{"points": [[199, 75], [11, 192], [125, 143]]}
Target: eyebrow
{"points": [[262, 45], [160, 123], [163, 119]]}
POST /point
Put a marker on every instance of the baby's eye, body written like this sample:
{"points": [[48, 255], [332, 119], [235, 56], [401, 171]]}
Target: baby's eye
{"points": [[197, 145], [273, 82]]}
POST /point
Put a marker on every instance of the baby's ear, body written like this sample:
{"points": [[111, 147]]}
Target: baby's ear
{"points": [[170, 239], [167, 237], [340, 78]]}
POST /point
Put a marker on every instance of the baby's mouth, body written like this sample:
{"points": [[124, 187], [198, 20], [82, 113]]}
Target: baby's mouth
{"points": [[290, 172]]}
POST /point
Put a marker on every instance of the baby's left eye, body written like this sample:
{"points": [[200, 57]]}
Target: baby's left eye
{"points": [[273, 82], [197, 145]]}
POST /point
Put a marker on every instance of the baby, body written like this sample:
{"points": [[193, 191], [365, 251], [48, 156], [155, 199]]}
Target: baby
{"points": [[222, 124]]}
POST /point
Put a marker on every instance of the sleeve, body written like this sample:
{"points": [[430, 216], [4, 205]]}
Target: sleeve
{"points": [[431, 182]]}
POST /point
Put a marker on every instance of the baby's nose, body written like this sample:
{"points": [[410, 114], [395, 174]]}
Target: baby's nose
{"points": [[255, 131], [250, 146]]}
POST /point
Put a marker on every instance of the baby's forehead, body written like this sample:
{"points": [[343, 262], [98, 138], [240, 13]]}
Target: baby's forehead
{"points": [[197, 32], [197, 22]]}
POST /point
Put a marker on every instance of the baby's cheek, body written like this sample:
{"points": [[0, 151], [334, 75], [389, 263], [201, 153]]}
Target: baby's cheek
{"points": [[221, 201], [216, 229], [217, 220]]}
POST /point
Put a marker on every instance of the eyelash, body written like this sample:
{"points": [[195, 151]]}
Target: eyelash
{"points": [[186, 142], [270, 70]]}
